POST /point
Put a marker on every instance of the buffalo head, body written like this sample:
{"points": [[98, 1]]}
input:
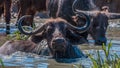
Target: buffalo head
{"points": [[99, 24], [99, 21], [57, 33], [99, 28]]}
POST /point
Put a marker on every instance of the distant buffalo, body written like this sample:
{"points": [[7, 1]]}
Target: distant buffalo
{"points": [[99, 23], [30, 7], [5, 7]]}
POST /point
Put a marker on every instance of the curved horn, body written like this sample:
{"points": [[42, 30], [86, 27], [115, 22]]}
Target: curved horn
{"points": [[113, 15], [94, 13], [76, 11], [21, 29], [73, 5], [89, 13], [80, 29]]}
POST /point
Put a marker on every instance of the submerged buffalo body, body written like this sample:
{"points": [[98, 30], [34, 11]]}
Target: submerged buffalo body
{"points": [[59, 35], [19, 45]]}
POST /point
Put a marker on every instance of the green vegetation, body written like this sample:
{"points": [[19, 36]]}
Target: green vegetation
{"points": [[109, 61], [1, 63], [17, 36]]}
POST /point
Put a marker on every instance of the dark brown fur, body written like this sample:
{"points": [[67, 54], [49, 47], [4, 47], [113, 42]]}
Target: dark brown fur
{"points": [[5, 6], [30, 7]]}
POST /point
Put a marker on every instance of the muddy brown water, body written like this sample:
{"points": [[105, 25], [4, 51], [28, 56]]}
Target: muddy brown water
{"points": [[29, 60]]}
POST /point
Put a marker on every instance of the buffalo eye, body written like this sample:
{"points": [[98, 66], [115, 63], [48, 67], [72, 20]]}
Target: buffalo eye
{"points": [[49, 30], [63, 29]]}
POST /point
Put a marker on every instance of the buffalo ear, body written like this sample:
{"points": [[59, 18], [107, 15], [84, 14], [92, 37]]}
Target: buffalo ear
{"points": [[37, 38]]}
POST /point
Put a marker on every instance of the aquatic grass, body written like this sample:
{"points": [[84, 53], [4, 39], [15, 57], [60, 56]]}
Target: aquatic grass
{"points": [[17, 36], [108, 61], [106, 50], [1, 63]]}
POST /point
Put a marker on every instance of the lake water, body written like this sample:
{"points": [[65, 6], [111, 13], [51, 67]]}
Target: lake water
{"points": [[29, 60]]}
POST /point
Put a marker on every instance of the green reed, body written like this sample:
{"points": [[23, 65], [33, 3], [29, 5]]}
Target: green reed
{"points": [[109, 61], [17, 36], [1, 63]]}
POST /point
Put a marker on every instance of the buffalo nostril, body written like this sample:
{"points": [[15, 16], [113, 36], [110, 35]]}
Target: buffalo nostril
{"points": [[58, 47], [100, 41], [59, 41], [58, 44]]}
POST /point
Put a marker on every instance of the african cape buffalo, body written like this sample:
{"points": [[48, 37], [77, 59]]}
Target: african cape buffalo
{"points": [[99, 24], [59, 35]]}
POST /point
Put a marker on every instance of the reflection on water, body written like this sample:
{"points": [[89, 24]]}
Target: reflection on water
{"points": [[25, 60], [13, 28]]}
